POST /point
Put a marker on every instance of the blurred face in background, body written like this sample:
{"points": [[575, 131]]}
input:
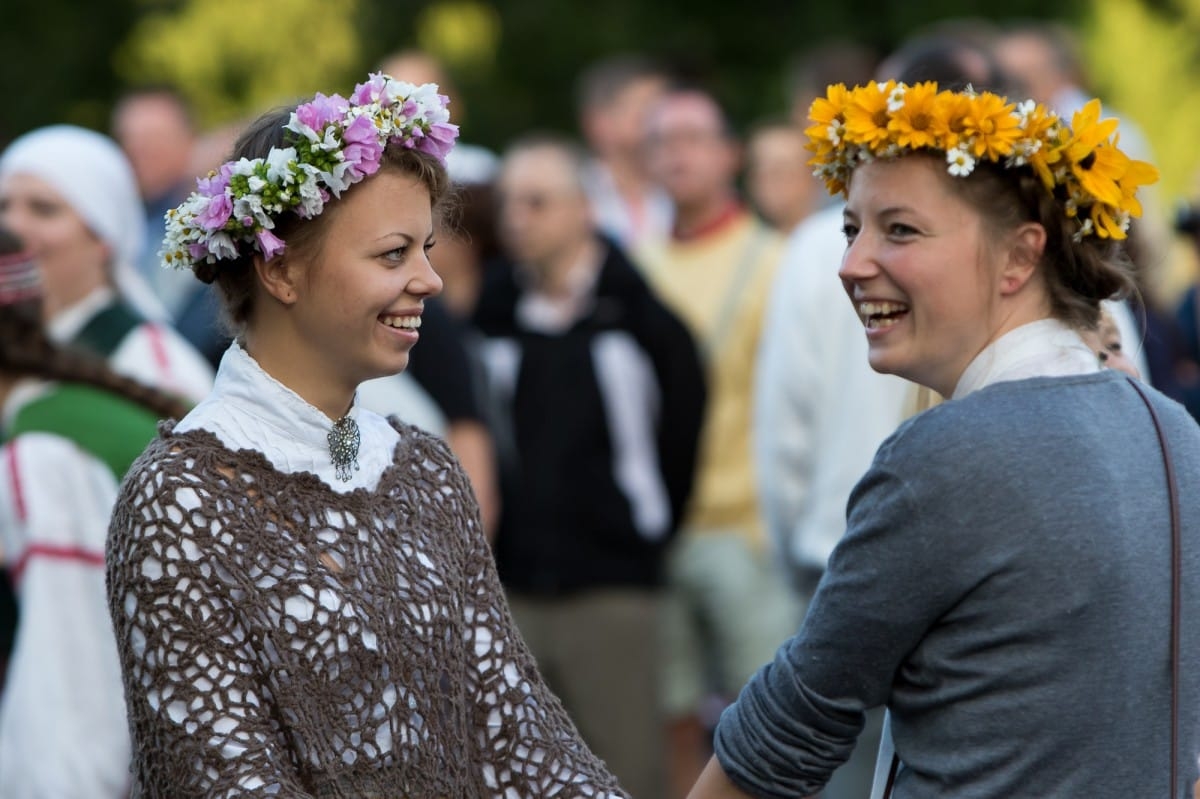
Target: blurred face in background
{"points": [[689, 150], [544, 215], [778, 179], [73, 259], [1105, 341], [618, 128], [1028, 59], [156, 135]]}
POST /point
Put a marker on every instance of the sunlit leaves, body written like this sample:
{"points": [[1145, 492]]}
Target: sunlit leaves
{"points": [[234, 58]]}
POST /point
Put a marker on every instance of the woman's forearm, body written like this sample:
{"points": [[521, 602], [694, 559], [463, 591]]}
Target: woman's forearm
{"points": [[714, 783]]}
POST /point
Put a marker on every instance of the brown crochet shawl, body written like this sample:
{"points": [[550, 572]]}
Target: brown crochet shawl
{"points": [[278, 638]]}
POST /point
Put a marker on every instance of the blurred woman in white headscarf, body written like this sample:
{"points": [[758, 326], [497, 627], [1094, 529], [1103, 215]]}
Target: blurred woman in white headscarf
{"points": [[63, 729], [71, 196]]}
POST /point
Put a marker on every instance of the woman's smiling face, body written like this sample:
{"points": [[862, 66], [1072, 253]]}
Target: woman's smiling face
{"points": [[922, 270], [359, 302]]}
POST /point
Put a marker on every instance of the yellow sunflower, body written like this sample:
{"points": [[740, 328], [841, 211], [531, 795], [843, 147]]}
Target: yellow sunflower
{"points": [[1138, 173], [1096, 164], [912, 126], [950, 118], [1088, 130], [1108, 223], [828, 115], [867, 115], [993, 126], [1099, 171], [1043, 127]]}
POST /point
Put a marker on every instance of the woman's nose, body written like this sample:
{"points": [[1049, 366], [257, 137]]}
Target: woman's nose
{"points": [[13, 219], [427, 282], [858, 262]]}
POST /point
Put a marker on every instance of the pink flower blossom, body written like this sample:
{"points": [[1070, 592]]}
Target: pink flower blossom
{"points": [[440, 140], [270, 244], [216, 213], [216, 183], [363, 149], [371, 91], [322, 110]]}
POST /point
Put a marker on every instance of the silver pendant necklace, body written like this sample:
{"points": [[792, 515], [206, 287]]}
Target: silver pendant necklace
{"points": [[344, 439]]}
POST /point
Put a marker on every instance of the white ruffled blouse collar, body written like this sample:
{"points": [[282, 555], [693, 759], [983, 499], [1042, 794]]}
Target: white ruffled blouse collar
{"points": [[249, 409], [1045, 348]]}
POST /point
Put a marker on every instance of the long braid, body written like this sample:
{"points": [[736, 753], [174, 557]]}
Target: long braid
{"points": [[26, 351]]}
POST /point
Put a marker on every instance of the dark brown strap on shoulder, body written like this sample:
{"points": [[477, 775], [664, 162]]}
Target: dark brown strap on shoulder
{"points": [[1176, 555], [891, 780]]}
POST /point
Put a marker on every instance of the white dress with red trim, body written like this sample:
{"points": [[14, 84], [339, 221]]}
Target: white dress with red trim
{"points": [[63, 730]]}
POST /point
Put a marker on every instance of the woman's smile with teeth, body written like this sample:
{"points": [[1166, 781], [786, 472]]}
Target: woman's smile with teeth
{"points": [[406, 322], [876, 315]]}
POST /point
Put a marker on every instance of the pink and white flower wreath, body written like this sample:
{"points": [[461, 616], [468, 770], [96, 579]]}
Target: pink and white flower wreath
{"points": [[334, 143]]}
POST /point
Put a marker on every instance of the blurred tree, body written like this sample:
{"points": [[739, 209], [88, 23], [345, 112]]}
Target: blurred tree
{"points": [[739, 51], [232, 58], [58, 62], [463, 34], [515, 62], [1144, 59]]}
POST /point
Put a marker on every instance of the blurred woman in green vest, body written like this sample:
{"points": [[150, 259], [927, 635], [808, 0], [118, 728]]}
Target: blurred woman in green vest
{"points": [[71, 197], [70, 428]]}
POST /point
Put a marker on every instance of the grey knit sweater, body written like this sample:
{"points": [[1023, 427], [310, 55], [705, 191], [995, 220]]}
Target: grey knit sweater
{"points": [[1003, 587]]}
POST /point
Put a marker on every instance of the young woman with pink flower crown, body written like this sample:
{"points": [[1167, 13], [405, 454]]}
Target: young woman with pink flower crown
{"points": [[1017, 583], [303, 599]]}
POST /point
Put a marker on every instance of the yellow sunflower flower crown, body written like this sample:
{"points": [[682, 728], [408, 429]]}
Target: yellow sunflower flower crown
{"points": [[1080, 163]]}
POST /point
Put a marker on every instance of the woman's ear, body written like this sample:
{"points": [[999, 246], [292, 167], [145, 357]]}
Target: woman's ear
{"points": [[1026, 245], [278, 276]]}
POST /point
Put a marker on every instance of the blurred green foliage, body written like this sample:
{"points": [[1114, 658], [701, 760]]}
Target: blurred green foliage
{"points": [[1145, 58], [232, 58], [514, 61]]}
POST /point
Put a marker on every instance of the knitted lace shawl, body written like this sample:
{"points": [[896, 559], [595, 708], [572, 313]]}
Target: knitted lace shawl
{"points": [[278, 638]]}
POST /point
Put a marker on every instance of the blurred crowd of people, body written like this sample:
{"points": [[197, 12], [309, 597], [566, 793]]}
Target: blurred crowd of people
{"points": [[642, 356]]}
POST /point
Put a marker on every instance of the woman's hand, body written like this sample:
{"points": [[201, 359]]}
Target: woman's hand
{"points": [[714, 784]]}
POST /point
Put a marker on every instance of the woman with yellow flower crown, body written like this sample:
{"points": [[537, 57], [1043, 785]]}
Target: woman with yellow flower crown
{"points": [[1014, 593], [303, 599]]}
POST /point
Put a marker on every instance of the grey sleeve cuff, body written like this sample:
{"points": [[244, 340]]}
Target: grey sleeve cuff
{"points": [[781, 741]]}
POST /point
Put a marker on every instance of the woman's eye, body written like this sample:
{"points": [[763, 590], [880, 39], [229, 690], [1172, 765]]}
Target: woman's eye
{"points": [[396, 254], [849, 231], [429, 245], [899, 229]]}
